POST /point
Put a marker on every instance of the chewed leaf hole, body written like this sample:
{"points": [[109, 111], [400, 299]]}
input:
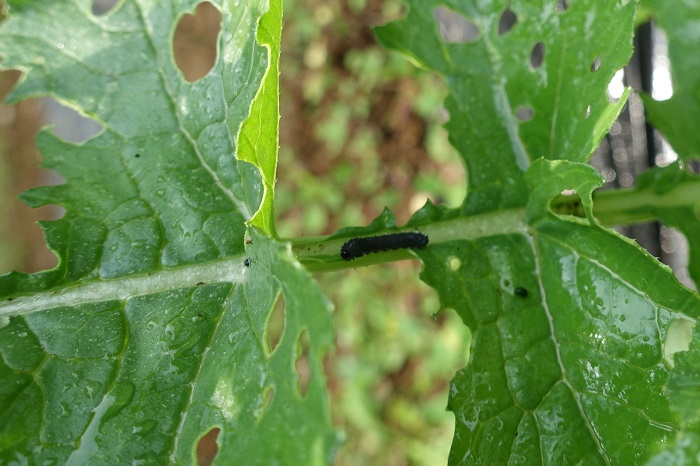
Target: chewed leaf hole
{"points": [[68, 124], [524, 113], [537, 55], [678, 338], [268, 395], [102, 7], [207, 448], [507, 21], [454, 27], [568, 202], [616, 87], [302, 365], [275, 324], [194, 42]]}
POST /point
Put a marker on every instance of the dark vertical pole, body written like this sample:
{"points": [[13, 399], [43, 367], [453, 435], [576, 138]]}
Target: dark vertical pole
{"points": [[648, 235]]}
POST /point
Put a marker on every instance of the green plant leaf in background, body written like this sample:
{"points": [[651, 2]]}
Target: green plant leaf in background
{"points": [[683, 389], [676, 117], [152, 329], [673, 192], [506, 111], [569, 321]]}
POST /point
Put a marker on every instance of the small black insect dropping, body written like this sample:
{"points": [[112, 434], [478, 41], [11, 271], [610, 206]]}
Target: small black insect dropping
{"points": [[520, 291], [246, 262], [358, 247], [137, 155]]}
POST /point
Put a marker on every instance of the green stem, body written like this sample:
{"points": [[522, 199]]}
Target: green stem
{"points": [[322, 253], [634, 205], [611, 207]]}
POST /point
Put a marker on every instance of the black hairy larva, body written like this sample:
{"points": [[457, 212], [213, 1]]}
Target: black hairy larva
{"points": [[522, 292], [246, 262], [358, 247]]}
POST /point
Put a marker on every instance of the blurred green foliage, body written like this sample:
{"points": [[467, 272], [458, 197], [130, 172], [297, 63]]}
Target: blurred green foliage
{"points": [[357, 135]]}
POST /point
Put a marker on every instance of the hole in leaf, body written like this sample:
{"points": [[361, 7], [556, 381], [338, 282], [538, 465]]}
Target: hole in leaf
{"points": [[692, 164], [562, 6], [507, 21], [102, 7], [537, 55], [22, 244], [275, 324], [302, 364], [454, 263], [678, 338], [524, 113], [68, 124], [195, 41], [454, 27], [268, 395], [616, 86], [595, 66], [568, 202], [207, 447]]}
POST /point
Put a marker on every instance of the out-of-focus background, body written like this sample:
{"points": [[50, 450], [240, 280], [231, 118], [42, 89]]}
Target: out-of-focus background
{"points": [[360, 130]]}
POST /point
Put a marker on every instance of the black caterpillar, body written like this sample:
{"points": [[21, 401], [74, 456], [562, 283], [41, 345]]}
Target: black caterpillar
{"points": [[358, 247]]}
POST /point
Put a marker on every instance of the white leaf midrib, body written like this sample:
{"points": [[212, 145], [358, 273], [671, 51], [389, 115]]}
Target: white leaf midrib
{"points": [[229, 270]]}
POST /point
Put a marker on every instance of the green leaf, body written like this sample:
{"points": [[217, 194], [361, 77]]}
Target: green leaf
{"points": [[491, 79], [259, 138], [569, 323], [670, 194], [153, 328], [569, 320], [677, 117], [683, 389], [140, 368]]}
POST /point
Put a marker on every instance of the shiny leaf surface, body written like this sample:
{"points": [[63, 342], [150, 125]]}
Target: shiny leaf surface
{"points": [[152, 330]]}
